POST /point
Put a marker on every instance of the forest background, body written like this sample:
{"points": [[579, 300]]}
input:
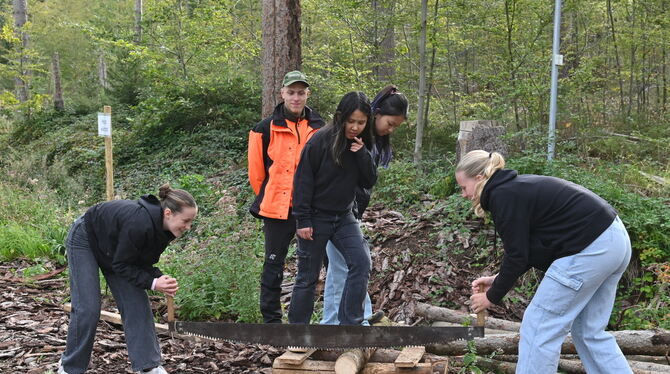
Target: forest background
{"points": [[185, 84]]}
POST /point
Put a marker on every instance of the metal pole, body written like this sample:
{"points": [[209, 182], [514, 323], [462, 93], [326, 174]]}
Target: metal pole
{"points": [[556, 60]]}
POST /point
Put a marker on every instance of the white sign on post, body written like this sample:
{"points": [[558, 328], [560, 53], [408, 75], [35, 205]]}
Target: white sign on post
{"points": [[104, 124]]}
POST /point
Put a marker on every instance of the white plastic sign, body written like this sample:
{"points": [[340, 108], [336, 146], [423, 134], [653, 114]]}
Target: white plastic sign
{"points": [[104, 124]]}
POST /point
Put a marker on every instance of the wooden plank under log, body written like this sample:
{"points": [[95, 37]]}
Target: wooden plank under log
{"points": [[409, 357], [389, 368], [295, 358], [307, 367]]}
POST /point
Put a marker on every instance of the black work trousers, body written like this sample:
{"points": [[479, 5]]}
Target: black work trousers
{"points": [[278, 236]]}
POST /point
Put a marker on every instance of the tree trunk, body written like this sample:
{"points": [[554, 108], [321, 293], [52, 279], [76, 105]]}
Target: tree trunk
{"points": [[138, 21], [643, 342], [20, 19], [616, 56], [102, 72], [418, 144], [58, 90], [509, 22], [383, 38], [434, 313], [281, 47]]}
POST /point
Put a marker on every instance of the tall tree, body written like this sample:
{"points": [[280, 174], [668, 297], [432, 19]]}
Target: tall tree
{"points": [[138, 21], [59, 104], [20, 19], [420, 120], [383, 38], [281, 47]]}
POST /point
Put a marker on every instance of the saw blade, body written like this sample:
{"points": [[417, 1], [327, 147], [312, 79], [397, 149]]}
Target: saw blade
{"points": [[327, 336]]}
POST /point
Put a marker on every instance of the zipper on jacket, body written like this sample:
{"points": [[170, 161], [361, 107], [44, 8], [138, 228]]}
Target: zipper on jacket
{"points": [[297, 131]]}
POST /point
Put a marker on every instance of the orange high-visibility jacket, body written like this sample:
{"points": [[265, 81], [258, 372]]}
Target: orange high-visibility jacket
{"points": [[274, 150]]}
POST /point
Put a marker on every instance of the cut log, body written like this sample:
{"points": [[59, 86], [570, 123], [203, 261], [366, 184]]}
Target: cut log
{"points": [[576, 367], [440, 363], [454, 324], [642, 342], [435, 313], [295, 358], [352, 361], [496, 366], [409, 357], [388, 368]]}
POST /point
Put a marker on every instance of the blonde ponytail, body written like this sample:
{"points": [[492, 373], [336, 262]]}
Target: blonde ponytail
{"points": [[480, 162]]}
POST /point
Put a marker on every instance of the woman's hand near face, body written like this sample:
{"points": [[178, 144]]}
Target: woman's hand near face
{"points": [[356, 145], [305, 233], [167, 285]]}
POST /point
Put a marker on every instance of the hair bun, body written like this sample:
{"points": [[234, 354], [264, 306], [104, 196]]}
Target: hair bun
{"points": [[164, 190]]}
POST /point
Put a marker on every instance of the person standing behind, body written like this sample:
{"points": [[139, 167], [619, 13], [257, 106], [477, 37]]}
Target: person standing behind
{"points": [[274, 150], [124, 238], [334, 163], [389, 111], [570, 233]]}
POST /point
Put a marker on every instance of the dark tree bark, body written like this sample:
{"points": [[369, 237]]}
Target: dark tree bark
{"points": [[281, 47], [420, 124], [383, 67], [59, 104]]}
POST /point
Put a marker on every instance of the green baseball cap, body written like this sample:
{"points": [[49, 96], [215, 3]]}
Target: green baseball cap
{"points": [[293, 77]]}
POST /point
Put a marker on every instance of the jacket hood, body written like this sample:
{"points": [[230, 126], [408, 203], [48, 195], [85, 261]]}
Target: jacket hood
{"points": [[153, 207], [314, 120], [499, 177]]}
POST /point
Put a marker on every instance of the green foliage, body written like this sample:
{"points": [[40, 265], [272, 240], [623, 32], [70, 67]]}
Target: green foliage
{"points": [[403, 183], [31, 225], [219, 270]]}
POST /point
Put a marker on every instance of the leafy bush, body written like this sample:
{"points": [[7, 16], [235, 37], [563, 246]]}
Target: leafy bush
{"points": [[32, 225], [403, 184], [219, 268]]}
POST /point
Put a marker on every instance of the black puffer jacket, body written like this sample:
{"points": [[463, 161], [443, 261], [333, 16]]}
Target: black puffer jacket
{"points": [[127, 238], [540, 219]]}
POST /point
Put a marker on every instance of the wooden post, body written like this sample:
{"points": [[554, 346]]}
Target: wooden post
{"points": [[109, 159]]}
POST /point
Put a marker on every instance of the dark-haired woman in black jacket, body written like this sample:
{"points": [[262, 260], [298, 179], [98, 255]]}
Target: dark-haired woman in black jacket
{"points": [[333, 164], [123, 238]]}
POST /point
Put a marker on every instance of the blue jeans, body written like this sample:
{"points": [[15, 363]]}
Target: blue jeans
{"points": [[133, 303], [332, 294], [344, 232], [577, 295]]}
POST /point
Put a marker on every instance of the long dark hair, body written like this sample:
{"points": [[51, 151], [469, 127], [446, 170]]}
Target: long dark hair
{"points": [[349, 103], [388, 102]]}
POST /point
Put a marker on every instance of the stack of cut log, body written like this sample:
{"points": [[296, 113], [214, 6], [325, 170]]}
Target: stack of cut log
{"points": [[647, 351], [411, 360]]}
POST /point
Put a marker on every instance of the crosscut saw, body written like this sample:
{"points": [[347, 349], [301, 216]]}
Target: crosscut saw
{"points": [[324, 336]]}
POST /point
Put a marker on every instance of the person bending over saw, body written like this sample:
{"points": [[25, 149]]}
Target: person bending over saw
{"points": [[124, 238], [569, 232], [334, 163]]}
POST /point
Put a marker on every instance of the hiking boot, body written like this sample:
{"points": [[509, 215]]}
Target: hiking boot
{"points": [[376, 317], [156, 370], [61, 370]]}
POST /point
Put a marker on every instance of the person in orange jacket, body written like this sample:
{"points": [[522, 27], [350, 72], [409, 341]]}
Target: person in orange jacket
{"points": [[274, 150]]}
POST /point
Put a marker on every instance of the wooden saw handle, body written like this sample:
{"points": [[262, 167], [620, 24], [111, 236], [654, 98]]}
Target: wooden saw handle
{"points": [[170, 308], [481, 316]]}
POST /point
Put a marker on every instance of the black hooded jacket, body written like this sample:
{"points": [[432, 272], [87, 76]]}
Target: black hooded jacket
{"points": [[540, 219], [127, 238]]}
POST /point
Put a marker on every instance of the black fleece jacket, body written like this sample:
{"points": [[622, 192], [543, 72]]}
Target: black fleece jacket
{"points": [[127, 238], [540, 219], [321, 184]]}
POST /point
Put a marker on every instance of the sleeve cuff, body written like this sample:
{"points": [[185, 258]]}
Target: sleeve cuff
{"points": [[305, 222], [153, 284]]}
